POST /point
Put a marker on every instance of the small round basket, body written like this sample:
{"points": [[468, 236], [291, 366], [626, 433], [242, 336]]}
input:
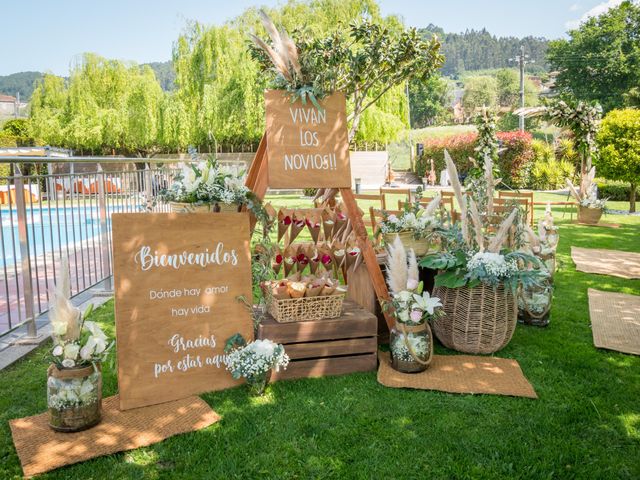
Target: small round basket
{"points": [[420, 247], [590, 216], [481, 319]]}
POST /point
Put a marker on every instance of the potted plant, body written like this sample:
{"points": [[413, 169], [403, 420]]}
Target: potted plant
{"points": [[74, 383], [254, 361], [590, 207], [478, 274], [411, 340], [415, 226]]}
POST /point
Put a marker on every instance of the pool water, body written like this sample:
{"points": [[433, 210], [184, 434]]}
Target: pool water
{"points": [[50, 228]]}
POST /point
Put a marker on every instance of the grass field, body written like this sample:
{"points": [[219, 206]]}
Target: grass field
{"points": [[585, 424]]}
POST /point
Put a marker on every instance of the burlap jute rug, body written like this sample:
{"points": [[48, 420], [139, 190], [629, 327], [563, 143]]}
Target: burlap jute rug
{"points": [[461, 374], [40, 449], [615, 321], [607, 262]]}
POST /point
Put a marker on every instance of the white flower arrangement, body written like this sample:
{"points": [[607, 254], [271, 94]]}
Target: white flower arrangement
{"points": [[411, 306], [76, 341], [492, 267], [207, 182], [422, 221], [256, 359]]}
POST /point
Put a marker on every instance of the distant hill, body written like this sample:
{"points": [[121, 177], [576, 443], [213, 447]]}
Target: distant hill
{"points": [[468, 51], [165, 74], [479, 50], [22, 82]]}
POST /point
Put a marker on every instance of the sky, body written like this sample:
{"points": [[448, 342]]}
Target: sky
{"points": [[46, 35]]}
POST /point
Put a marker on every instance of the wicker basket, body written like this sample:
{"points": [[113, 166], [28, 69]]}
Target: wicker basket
{"points": [[477, 320], [420, 247], [306, 308], [181, 207], [590, 216]]}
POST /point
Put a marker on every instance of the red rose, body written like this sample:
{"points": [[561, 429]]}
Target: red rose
{"points": [[278, 258], [326, 259]]}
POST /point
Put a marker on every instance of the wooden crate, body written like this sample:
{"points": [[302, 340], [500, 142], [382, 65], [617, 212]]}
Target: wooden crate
{"points": [[334, 346]]}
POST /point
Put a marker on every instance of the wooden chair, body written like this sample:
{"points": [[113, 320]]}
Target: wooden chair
{"points": [[526, 196], [519, 202], [371, 197], [384, 191]]}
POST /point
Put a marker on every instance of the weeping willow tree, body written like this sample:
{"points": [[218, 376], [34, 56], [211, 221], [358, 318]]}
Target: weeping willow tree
{"points": [[106, 106]]}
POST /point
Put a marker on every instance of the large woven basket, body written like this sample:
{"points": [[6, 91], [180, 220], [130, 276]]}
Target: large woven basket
{"points": [[306, 308], [420, 247], [590, 216], [181, 207], [477, 320]]}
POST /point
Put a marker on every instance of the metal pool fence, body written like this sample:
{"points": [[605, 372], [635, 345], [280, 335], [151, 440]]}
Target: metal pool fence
{"points": [[66, 212]]}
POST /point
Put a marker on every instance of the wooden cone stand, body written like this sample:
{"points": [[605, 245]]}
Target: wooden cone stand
{"points": [[257, 181]]}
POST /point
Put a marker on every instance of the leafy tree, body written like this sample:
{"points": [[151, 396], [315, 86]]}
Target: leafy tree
{"points": [[619, 142], [21, 82], [365, 64], [479, 92], [601, 60], [429, 101]]}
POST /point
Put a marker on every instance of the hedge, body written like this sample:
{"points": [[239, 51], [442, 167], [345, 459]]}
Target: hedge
{"points": [[620, 192], [515, 160]]}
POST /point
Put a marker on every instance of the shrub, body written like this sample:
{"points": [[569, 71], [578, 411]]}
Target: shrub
{"points": [[616, 191], [460, 147], [619, 142], [550, 174], [542, 151], [566, 150], [516, 158], [7, 140]]}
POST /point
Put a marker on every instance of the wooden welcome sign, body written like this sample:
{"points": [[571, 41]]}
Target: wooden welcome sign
{"points": [[177, 279], [307, 146]]}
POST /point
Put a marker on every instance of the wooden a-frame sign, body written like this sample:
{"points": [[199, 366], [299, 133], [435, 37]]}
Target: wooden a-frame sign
{"points": [[330, 130]]}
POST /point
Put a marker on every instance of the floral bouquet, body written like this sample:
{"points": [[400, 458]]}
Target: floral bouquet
{"points": [[74, 385], [411, 342], [255, 361], [420, 221], [207, 183]]}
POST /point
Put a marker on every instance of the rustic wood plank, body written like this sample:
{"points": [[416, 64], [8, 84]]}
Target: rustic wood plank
{"points": [[327, 366], [354, 322], [332, 348], [369, 255]]}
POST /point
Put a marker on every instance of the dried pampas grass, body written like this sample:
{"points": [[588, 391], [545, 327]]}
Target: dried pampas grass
{"points": [[477, 224], [64, 317], [397, 274], [457, 190], [413, 273], [497, 241], [433, 205]]}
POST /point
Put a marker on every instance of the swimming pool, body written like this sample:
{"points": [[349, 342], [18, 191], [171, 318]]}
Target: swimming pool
{"points": [[50, 228]]}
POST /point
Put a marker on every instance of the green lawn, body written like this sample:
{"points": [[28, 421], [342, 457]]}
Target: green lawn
{"points": [[585, 424]]}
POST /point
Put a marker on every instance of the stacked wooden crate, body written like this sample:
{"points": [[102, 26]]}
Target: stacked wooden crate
{"points": [[334, 346]]}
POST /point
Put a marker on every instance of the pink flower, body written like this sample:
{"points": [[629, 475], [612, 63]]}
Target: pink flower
{"points": [[416, 315], [326, 259], [412, 284]]}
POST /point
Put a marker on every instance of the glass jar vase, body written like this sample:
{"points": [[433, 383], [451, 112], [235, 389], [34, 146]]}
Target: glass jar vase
{"points": [[534, 304], [411, 347], [74, 397], [258, 383]]}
